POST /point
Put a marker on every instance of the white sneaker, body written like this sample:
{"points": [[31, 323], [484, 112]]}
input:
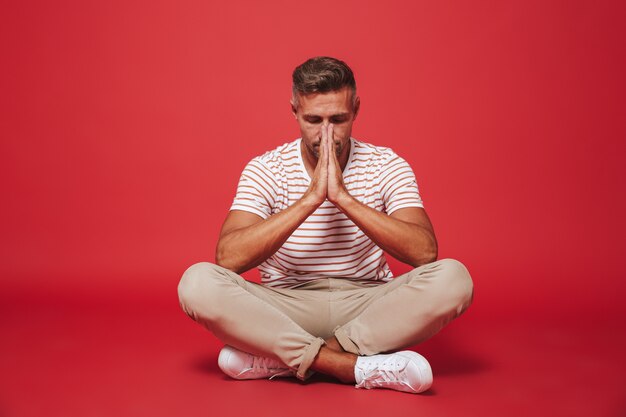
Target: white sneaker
{"points": [[403, 371], [242, 365]]}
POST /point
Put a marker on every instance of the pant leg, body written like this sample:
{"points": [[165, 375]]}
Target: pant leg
{"points": [[240, 313], [407, 310]]}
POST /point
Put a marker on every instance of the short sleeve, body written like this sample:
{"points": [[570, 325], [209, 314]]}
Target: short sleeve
{"points": [[398, 186], [256, 191]]}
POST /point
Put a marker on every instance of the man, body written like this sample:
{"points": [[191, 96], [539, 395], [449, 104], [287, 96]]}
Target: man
{"points": [[315, 216]]}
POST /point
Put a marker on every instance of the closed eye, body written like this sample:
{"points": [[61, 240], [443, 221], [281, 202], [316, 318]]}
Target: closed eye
{"points": [[313, 120], [334, 120]]}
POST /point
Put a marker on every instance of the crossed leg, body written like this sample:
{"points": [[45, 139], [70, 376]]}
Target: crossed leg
{"points": [[269, 322], [406, 311]]}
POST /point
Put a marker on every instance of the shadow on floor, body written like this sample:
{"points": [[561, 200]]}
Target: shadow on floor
{"points": [[448, 355], [444, 352]]}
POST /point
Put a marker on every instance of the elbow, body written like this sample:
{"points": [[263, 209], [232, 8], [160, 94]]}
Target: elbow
{"points": [[224, 258], [227, 263], [431, 257], [432, 252], [221, 257], [220, 261], [426, 256]]}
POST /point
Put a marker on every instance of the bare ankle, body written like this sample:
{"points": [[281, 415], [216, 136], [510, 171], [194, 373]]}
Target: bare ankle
{"points": [[333, 343], [337, 364]]}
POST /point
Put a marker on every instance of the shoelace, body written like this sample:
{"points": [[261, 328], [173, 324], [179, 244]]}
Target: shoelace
{"points": [[268, 365], [262, 363], [384, 373]]}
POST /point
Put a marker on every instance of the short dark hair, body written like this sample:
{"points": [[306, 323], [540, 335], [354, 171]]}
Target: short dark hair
{"points": [[322, 74]]}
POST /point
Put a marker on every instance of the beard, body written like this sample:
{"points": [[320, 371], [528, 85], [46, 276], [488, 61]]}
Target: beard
{"points": [[338, 149]]}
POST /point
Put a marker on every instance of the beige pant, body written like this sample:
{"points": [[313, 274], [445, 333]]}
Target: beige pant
{"points": [[291, 324]]}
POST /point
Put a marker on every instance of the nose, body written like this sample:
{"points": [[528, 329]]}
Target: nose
{"points": [[325, 125]]}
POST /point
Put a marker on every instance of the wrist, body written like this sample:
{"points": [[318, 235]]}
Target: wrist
{"points": [[343, 201], [310, 201]]}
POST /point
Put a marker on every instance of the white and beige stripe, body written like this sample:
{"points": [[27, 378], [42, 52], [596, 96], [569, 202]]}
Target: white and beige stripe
{"points": [[328, 243]]}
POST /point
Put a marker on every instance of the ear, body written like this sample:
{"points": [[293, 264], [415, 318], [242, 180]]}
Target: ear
{"points": [[294, 110], [357, 106]]}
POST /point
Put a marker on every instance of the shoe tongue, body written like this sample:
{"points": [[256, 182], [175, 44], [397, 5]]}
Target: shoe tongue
{"points": [[359, 371], [358, 375]]}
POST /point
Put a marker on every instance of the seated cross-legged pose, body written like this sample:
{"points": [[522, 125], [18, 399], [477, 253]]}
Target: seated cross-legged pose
{"points": [[316, 215]]}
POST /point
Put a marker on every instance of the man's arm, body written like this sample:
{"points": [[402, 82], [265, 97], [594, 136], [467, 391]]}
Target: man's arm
{"points": [[246, 239], [406, 234]]}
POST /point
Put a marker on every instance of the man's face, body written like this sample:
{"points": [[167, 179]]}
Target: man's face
{"points": [[318, 109]]}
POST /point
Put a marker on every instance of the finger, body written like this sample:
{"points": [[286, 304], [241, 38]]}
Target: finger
{"points": [[320, 148], [332, 145], [324, 143], [332, 160], [323, 163]]}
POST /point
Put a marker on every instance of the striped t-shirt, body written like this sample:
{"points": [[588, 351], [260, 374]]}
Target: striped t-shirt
{"points": [[327, 244]]}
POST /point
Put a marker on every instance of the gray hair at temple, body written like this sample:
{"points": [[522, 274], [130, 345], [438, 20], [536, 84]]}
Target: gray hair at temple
{"points": [[322, 74]]}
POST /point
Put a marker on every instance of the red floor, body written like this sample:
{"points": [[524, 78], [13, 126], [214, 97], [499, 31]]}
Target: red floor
{"points": [[87, 358]]}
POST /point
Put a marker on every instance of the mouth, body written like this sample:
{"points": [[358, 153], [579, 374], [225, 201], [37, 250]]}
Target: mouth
{"points": [[337, 146]]}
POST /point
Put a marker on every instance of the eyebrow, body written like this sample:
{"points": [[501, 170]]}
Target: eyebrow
{"points": [[332, 115]]}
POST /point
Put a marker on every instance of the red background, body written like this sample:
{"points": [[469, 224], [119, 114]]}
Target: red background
{"points": [[125, 126]]}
